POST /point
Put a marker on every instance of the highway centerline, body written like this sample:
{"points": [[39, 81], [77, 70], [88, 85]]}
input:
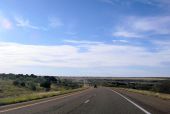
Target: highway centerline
{"points": [[145, 111], [86, 101]]}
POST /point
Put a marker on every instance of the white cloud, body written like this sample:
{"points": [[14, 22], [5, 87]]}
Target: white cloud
{"points": [[122, 33], [143, 27], [155, 2], [161, 44], [108, 1], [25, 23], [55, 22], [159, 3], [13, 55], [120, 41], [156, 25], [82, 42]]}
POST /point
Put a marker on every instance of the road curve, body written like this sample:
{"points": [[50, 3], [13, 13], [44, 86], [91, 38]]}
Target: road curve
{"points": [[93, 101]]}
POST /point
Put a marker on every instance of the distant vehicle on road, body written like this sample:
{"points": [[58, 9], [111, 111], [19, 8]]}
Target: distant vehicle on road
{"points": [[95, 86]]}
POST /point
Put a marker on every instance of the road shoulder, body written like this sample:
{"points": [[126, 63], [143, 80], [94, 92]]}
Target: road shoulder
{"points": [[154, 105], [39, 101]]}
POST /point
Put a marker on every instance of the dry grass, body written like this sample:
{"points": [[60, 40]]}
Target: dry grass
{"points": [[140, 78], [34, 96], [7, 89]]}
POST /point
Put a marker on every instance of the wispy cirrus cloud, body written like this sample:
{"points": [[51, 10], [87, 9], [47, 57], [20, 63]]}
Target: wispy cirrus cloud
{"points": [[162, 44], [82, 42], [5, 23], [155, 25], [55, 22], [120, 41], [108, 1], [25, 23], [138, 27], [129, 2], [123, 33], [154, 2]]}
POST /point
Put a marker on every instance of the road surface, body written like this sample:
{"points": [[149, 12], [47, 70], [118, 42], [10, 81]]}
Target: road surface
{"points": [[91, 101]]}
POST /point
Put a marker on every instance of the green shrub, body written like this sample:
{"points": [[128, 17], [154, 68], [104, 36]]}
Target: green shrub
{"points": [[46, 84], [165, 86], [32, 86], [16, 83], [22, 84]]}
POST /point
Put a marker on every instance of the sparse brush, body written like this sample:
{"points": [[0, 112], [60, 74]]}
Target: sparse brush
{"points": [[34, 96]]}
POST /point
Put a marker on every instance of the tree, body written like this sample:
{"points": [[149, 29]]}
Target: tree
{"points": [[22, 84], [51, 79], [165, 86], [33, 76], [32, 86], [46, 84], [16, 83]]}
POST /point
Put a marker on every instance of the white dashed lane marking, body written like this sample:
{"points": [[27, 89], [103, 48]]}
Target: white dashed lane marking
{"points": [[87, 101]]}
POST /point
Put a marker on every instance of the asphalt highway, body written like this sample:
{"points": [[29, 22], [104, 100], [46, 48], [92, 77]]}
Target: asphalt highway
{"points": [[91, 101]]}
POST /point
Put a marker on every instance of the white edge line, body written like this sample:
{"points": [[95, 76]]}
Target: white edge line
{"points": [[145, 111]]}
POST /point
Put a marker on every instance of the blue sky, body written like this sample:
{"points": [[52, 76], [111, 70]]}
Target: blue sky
{"points": [[85, 37]]}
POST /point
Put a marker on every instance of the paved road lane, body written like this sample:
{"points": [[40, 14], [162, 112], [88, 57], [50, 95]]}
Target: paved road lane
{"points": [[94, 101]]}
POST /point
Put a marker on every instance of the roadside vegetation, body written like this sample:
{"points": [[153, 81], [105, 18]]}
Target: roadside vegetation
{"points": [[18, 87], [35, 96], [156, 85], [151, 93]]}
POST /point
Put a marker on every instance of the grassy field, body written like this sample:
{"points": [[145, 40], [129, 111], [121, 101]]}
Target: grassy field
{"points": [[16, 88], [34, 96], [7, 89], [140, 78]]}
